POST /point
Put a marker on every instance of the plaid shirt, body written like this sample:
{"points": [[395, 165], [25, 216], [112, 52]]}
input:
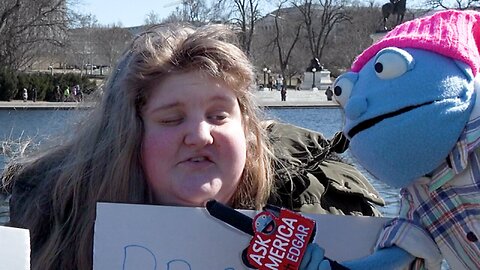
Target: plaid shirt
{"points": [[440, 214]]}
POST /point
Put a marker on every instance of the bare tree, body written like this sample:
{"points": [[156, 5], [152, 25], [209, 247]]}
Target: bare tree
{"points": [[173, 17], [241, 13], [245, 15], [287, 33], [351, 37], [320, 18], [111, 42], [79, 20], [81, 45], [27, 27], [152, 18], [200, 11], [193, 11], [220, 11]]}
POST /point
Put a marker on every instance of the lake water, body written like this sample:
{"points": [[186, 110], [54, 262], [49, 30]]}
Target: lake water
{"points": [[40, 125]]}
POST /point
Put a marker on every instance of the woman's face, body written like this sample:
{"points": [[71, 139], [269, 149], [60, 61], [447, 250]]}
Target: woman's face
{"points": [[194, 146]]}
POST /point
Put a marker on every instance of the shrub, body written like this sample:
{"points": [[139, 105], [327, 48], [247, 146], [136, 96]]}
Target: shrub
{"points": [[46, 84], [8, 84]]}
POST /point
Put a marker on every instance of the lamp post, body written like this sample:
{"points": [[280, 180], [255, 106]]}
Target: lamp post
{"points": [[268, 76], [314, 87], [265, 79]]}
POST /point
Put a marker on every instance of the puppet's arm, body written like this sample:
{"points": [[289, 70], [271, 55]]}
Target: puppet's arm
{"points": [[386, 258]]}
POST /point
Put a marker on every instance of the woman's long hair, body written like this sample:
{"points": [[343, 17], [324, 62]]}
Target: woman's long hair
{"points": [[102, 162]]}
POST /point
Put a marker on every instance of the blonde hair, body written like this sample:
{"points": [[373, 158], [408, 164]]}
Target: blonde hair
{"points": [[103, 162]]}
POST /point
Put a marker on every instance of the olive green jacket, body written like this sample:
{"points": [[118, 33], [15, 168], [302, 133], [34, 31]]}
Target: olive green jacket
{"points": [[311, 178]]}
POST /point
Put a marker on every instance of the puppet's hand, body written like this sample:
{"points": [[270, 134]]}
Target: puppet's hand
{"points": [[314, 259], [386, 258]]}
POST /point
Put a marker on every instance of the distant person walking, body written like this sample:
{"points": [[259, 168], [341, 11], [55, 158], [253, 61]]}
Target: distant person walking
{"points": [[34, 94], [299, 83], [80, 94], [25, 94], [58, 93], [329, 93], [270, 83], [279, 83], [74, 93], [66, 93], [283, 93]]}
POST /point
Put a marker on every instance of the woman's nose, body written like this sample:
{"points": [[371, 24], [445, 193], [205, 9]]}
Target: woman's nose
{"points": [[199, 133]]}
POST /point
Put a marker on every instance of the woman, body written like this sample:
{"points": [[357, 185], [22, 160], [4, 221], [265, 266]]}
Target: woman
{"points": [[176, 125]]}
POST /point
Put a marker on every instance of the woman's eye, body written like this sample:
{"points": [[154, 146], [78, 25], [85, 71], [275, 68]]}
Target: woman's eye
{"points": [[392, 63], [170, 121], [218, 117]]}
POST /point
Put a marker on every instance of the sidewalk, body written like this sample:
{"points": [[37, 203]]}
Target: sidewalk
{"points": [[42, 105], [295, 98]]}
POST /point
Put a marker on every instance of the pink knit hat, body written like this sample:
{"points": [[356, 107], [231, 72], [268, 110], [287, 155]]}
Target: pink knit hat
{"points": [[452, 33]]}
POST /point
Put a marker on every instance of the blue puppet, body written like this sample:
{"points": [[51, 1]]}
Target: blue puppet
{"points": [[413, 121]]}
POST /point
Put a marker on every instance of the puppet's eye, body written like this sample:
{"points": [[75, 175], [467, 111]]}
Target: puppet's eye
{"points": [[392, 62], [342, 88]]}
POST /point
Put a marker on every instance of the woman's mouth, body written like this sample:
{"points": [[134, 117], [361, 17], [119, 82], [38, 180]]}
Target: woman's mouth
{"points": [[198, 159]]}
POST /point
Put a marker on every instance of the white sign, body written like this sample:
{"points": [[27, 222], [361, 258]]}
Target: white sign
{"points": [[14, 248], [148, 237]]}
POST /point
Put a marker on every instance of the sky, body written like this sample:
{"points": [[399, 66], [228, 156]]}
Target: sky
{"points": [[133, 12], [128, 12]]}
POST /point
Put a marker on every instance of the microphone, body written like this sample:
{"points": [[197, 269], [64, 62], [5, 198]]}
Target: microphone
{"points": [[230, 216], [244, 223]]}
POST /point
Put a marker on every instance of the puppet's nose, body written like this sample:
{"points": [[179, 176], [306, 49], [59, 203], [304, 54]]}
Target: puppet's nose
{"points": [[356, 106]]}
